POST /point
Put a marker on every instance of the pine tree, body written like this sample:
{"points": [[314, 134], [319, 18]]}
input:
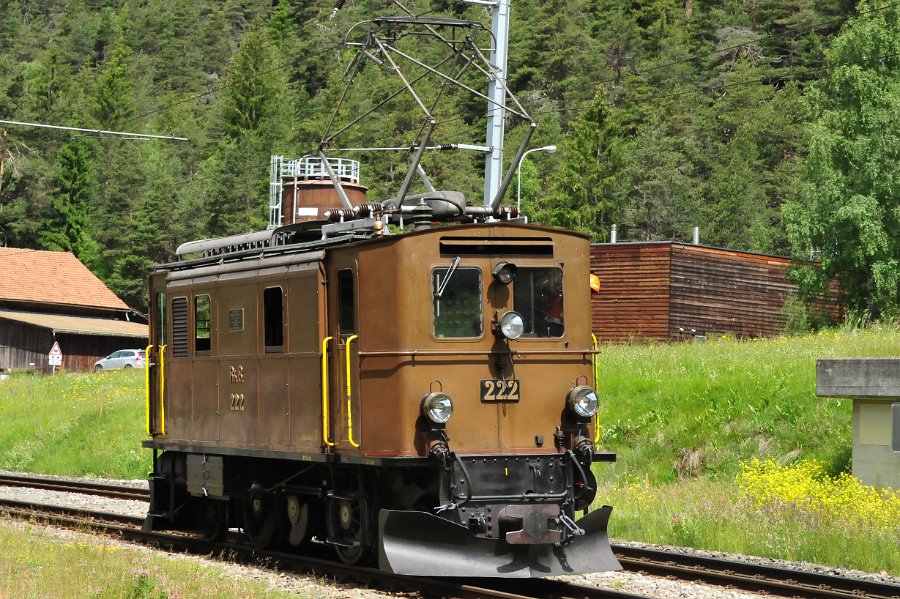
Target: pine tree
{"points": [[68, 226], [114, 103]]}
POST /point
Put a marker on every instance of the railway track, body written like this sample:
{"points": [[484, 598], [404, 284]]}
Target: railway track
{"points": [[770, 580], [129, 528], [75, 486]]}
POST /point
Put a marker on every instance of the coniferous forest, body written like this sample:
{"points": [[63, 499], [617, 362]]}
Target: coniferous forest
{"points": [[773, 125]]}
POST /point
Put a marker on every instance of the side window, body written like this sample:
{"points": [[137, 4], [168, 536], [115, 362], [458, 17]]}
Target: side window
{"points": [[458, 312], [273, 319], [161, 324], [538, 297], [202, 333], [346, 303], [180, 327]]}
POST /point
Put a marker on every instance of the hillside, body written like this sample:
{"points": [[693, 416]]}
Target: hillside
{"points": [[734, 116]]}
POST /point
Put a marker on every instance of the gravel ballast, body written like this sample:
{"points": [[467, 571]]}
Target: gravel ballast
{"points": [[627, 582]]}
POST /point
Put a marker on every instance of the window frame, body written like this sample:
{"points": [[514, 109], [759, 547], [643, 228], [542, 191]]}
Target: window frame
{"points": [[273, 348], [522, 269], [434, 302], [198, 350], [340, 275]]}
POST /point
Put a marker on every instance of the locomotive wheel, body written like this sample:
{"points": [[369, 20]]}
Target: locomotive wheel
{"points": [[298, 516], [264, 520], [213, 520], [349, 523]]}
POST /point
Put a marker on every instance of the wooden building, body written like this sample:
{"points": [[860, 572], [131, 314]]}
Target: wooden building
{"points": [[671, 291], [48, 297]]}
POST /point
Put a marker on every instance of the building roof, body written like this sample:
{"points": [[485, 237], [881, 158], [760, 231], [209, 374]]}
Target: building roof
{"points": [[81, 325], [52, 278]]}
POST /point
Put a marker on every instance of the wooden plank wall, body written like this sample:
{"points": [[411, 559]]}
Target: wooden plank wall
{"points": [[715, 292], [633, 302], [22, 345]]}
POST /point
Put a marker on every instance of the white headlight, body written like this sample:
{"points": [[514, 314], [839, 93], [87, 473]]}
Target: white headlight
{"points": [[437, 407], [583, 401], [512, 325]]}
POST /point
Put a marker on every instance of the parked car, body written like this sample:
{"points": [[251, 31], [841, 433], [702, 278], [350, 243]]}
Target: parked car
{"points": [[124, 358]]}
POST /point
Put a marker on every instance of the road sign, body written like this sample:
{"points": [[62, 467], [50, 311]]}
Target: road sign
{"points": [[55, 355]]}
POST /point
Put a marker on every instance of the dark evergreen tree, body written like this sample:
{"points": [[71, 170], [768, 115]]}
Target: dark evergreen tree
{"points": [[67, 227]]}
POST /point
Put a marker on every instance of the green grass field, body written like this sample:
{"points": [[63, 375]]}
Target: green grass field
{"points": [[686, 421]]}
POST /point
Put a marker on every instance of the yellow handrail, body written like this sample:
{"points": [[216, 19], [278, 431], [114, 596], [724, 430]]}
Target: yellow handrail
{"points": [[349, 414], [147, 384], [325, 392], [162, 389], [596, 363]]}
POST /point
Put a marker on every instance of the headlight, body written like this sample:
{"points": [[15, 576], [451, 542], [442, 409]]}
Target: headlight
{"points": [[505, 272], [437, 407], [512, 325], [583, 401]]}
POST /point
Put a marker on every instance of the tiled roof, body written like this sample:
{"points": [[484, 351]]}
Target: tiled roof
{"points": [[79, 324], [52, 278]]}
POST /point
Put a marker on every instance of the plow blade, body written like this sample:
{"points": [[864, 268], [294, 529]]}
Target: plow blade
{"points": [[421, 544]]}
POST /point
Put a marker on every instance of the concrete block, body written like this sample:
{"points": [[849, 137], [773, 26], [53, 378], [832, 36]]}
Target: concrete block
{"points": [[858, 377]]}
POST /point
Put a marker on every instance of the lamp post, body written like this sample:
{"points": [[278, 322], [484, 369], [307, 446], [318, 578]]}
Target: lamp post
{"points": [[550, 149]]}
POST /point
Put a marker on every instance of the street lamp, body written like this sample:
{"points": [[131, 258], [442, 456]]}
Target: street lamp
{"points": [[519, 172]]}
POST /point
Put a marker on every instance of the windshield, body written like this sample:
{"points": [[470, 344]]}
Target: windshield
{"points": [[458, 309], [538, 297]]}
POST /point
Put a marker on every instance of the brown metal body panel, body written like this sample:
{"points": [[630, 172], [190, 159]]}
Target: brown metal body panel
{"points": [[305, 332]]}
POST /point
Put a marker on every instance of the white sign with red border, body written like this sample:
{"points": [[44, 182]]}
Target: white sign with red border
{"points": [[56, 355]]}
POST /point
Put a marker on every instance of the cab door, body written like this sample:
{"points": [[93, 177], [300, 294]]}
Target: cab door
{"points": [[154, 359], [344, 405]]}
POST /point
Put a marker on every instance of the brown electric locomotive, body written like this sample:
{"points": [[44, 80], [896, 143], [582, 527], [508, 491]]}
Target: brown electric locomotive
{"points": [[412, 383], [425, 397]]}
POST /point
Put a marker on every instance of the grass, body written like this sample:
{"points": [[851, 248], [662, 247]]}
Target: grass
{"points": [[683, 418], [686, 419], [35, 563], [74, 424]]}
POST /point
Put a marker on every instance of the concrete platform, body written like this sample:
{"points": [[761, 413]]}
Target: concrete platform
{"points": [[874, 385]]}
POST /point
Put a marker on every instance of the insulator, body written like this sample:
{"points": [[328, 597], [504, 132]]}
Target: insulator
{"points": [[365, 210], [445, 147], [507, 211], [337, 214]]}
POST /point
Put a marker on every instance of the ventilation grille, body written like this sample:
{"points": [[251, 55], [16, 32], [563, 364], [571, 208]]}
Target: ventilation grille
{"points": [[180, 327]]}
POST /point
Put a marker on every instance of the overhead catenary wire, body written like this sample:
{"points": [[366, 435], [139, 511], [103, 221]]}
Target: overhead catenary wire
{"points": [[123, 134]]}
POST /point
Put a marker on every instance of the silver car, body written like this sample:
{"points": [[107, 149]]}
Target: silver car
{"points": [[124, 358]]}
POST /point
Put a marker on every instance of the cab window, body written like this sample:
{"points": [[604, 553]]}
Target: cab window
{"points": [[538, 297], [202, 332], [458, 312], [273, 319], [346, 304]]}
